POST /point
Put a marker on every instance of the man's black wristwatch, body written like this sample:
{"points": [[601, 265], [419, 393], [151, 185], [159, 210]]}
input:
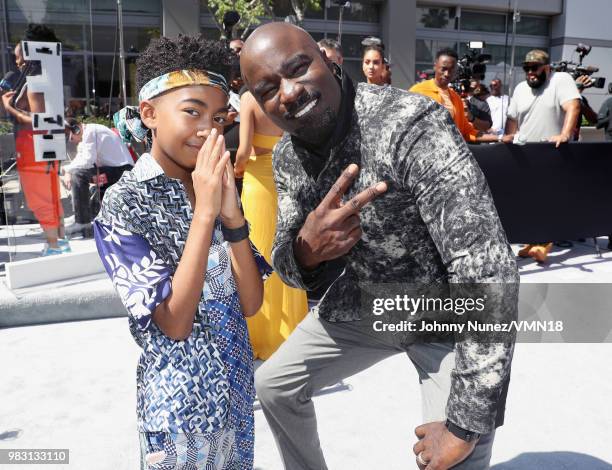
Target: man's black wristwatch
{"points": [[234, 235], [463, 434]]}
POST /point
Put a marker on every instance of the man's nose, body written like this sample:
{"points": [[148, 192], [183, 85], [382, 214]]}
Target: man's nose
{"points": [[290, 91]]}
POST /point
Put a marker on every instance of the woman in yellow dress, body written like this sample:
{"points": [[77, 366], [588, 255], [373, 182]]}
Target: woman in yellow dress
{"points": [[283, 306]]}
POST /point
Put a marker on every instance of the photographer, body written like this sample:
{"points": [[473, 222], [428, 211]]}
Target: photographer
{"points": [[583, 82], [99, 150], [38, 179], [445, 70], [544, 107], [476, 106]]}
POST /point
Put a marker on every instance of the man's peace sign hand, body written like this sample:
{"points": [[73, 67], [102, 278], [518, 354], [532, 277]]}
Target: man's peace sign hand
{"points": [[334, 227]]}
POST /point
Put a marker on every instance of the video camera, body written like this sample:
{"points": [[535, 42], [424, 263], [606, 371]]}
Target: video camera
{"points": [[471, 65], [577, 69]]}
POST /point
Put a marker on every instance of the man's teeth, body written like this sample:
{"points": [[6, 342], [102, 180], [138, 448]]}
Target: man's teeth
{"points": [[307, 108]]}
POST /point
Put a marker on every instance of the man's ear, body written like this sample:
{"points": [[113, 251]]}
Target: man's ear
{"points": [[325, 58], [331, 65], [147, 114]]}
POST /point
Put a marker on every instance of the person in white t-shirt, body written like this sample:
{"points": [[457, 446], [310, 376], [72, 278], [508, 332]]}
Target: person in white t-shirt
{"points": [[544, 107], [498, 104], [99, 151]]}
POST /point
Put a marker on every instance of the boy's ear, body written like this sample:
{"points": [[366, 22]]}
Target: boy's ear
{"points": [[231, 116], [147, 114]]}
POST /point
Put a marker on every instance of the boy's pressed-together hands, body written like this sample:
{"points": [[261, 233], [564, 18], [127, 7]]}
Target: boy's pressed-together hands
{"points": [[213, 181], [215, 193]]}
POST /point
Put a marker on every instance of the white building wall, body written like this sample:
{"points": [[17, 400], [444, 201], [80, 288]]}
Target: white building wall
{"points": [[534, 7]]}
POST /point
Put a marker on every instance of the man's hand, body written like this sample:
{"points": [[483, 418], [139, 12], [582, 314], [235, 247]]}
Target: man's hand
{"points": [[507, 138], [583, 82], [67, 181], [439, 448], [333, 228], [559, 139]]}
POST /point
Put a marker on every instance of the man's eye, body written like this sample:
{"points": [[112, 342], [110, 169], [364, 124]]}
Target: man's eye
{"points": [[301, 69], [269, 93], [191, 112]]}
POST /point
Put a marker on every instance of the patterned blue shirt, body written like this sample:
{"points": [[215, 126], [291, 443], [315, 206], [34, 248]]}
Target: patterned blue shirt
{"points": [[203, 384]]}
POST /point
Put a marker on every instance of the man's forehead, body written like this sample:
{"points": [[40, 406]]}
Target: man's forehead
{"points": [[268, 55]]}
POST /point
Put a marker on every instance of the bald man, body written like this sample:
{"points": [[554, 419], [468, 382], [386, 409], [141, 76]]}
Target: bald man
{"points": [[375, 186]]}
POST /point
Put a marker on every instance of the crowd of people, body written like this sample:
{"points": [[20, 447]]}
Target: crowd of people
{"points": [[285, 162], [547, 106]]}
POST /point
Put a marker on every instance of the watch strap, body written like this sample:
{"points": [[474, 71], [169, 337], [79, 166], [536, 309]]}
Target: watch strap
{"points": [[463, 434], [234, 235]]}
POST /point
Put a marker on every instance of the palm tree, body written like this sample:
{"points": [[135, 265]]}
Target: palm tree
{"points": [[435, 18]]}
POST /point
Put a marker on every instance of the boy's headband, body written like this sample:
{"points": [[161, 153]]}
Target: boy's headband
{"points": [[127, 120], [179, 78]]}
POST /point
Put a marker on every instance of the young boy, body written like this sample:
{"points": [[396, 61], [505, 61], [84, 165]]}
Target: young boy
{"points": [[173, 239]]}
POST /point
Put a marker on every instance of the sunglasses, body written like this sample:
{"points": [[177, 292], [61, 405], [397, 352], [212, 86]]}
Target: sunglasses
{"points": [[531, 68]]}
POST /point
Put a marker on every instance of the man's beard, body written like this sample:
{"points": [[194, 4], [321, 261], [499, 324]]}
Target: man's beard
{"points": [[540, 81], [317, 129]]}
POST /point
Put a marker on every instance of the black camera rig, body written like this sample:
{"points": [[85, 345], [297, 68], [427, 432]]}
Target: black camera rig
{"points": [[471, 66], [578, 70]]}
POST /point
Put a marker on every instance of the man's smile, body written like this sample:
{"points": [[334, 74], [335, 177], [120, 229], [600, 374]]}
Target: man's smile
{"points": [[306, 108]]}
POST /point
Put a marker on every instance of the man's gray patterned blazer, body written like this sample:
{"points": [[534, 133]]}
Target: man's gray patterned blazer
{"points": [[437, 223]]}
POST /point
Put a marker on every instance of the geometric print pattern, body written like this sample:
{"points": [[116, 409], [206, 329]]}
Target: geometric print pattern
{"points": [[204, 384], [172, 451]]}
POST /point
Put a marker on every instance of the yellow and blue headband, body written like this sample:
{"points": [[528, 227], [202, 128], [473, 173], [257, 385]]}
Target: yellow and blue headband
{"points": [[127, 120]]}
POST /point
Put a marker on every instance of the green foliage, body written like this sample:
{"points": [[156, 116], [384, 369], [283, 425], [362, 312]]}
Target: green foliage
{"points": [[96, 120], [249, 11], [5, 127], [300, 7]]}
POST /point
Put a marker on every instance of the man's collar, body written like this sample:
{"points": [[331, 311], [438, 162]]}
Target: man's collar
{"points": [[343, 125], [431, 85]]}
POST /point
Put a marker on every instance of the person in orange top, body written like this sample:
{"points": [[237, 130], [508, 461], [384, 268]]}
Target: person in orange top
{"points": [[445, 68]]}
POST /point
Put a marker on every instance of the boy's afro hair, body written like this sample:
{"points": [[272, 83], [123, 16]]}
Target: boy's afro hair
{"points": [[164, 55]]}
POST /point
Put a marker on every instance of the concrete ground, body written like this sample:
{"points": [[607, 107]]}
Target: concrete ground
{"points": [[72, 385]]}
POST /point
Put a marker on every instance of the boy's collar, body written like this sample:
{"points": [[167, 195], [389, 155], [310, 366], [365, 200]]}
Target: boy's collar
{"points": [[146, 168]]}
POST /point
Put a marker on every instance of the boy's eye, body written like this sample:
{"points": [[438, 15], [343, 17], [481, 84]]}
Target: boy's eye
{"points": [[191, 112], [221, 119]]}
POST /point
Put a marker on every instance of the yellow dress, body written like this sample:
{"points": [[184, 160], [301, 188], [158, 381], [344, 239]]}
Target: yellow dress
{"points": [[283, 306]]}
